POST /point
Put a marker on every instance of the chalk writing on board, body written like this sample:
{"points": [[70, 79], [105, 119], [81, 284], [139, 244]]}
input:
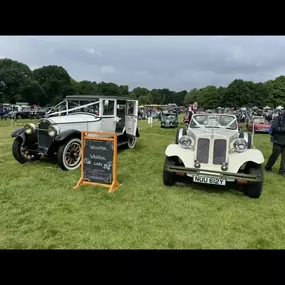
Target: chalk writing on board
{"points": [[98, 161]]}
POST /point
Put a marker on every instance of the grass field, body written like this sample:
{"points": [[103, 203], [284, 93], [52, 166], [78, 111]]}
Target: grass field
{"points": [[40, 209]]}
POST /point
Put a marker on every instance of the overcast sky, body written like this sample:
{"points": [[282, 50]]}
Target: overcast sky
{"points": [[174, 62]]}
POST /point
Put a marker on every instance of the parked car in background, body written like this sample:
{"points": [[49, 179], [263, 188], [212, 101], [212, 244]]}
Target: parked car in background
{"points": [[258, 124], [213, 151], [169, 120]]}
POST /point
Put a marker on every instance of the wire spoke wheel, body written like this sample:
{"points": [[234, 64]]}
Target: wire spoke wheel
{"points": [[72, 154], [132, 140]]}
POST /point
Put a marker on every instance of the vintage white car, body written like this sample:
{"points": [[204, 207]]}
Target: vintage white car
{"points": [[212, 150], [59, 133]]}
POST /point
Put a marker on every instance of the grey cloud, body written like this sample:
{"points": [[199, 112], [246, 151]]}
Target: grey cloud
{"points": [[177, 63]]}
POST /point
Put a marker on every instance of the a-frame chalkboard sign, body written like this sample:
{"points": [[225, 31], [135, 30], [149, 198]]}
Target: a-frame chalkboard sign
{"points": [[99, 160]]}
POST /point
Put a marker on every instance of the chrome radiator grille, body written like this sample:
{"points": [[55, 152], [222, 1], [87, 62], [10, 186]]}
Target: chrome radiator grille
{"points": [[44, 140], [203, 150], [219, 153]]}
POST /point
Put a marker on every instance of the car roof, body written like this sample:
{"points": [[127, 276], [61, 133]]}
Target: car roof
{"points": [[90, 97]]}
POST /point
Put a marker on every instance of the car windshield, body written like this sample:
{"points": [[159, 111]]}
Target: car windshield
{"points": [[213, 121]]}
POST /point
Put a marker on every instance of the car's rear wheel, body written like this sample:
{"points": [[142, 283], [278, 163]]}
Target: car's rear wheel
{"points": [[20, 154], [169, 178], [69, 154], [132, 140], [254, 189]]}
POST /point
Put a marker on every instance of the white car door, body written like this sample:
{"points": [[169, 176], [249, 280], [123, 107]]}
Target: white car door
{"points": [[131, 117]]}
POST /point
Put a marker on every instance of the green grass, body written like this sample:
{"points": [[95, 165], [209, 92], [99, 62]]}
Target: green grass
{"points": [[40, 209]]}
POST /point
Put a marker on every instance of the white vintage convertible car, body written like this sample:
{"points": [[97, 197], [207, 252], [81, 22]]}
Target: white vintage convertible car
{"points": [[212, 150], [59, 133]]}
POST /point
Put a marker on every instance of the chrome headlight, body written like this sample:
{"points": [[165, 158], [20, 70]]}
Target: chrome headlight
{"points": [[185, 142], [53, 130], [29, 128], [240, 145]]}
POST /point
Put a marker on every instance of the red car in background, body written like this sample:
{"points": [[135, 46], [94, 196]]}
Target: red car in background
{"points": [[259, 123]]}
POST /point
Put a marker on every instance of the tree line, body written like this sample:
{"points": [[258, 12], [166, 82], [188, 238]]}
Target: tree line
{"points": [[48, 85]]}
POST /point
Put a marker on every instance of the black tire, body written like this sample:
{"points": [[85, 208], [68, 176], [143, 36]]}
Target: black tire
{"points": [[61, 155], [177, 134], [169, 178], [132, 141], [16, 150], [249, 144], [254, 189]]}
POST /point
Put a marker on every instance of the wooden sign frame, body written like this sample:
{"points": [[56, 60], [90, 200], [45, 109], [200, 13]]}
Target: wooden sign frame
{"points": [[111, 137]]}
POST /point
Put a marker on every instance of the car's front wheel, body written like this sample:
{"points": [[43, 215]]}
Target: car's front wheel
{"points": [[69, 154], [20, 154], [169, 178], [254, 189]]}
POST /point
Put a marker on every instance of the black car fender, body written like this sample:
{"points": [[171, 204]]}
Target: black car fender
{"points": [[27, 139], [67, 134], [20, 132]]}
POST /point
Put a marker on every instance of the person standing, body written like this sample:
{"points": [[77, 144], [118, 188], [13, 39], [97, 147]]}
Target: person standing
{"points": [[278, 139]]}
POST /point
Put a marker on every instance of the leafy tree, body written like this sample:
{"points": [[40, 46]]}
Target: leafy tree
{"points": [[139, 91], [50, 84], [146, 99], [191, 97], [14, 82], [7, 63], [238, 94], [110, 89], [124, 90], [55, 82], [179, 97], [276, 91], [157, 96], [86, 87]]}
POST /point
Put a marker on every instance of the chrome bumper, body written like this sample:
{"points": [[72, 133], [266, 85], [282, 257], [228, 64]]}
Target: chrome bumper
{"points": [[214, 173]]}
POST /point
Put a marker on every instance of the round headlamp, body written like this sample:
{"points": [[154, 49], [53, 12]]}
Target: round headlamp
{"points": [[53, 130], [185, 142], [29, 128], [240, 145]]}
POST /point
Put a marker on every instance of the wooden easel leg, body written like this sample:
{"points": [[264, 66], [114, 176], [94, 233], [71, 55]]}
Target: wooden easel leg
{"points": [[115, 185], [78, 183]]}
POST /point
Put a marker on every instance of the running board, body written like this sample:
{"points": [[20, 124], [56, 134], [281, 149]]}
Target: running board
{"points": [[122, 143]]}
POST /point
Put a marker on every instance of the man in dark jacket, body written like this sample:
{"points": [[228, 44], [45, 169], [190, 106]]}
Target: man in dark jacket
{"points": [[278, 139]]}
